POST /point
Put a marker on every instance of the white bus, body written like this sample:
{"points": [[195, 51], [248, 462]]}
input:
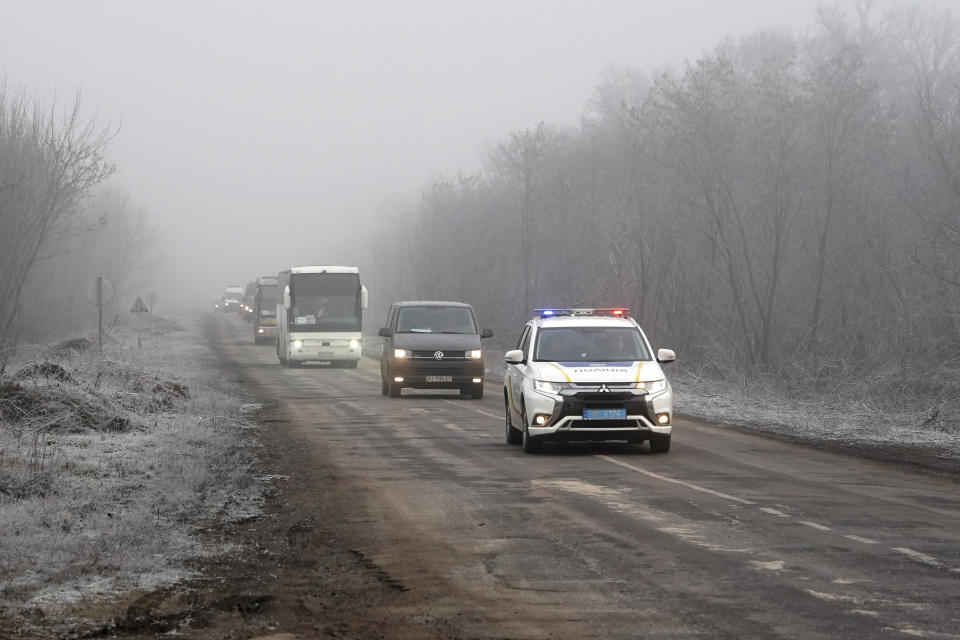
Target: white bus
{"points": [[319, 314]]}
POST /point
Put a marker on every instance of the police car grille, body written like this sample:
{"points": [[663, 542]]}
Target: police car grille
{"points": [[604, 424]]}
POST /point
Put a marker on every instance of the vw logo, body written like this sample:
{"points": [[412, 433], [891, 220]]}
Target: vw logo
{"points": [[438, 355], [603, 389]]}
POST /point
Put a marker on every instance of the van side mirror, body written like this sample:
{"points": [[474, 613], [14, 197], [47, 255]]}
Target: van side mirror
{"points": [[514, 356], [383, 332], [486, 333], [364, 297], [665, 356], [286, 297]]}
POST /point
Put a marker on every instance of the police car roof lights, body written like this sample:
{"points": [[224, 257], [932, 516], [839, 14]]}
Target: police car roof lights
{"points": [[548, 313]]}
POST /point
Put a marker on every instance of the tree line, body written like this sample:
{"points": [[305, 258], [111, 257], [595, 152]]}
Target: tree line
{"points": [[787, 205], [61, 223]]}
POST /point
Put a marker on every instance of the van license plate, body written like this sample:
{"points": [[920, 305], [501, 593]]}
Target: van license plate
{"points": [[604, 414], [439, 378]]}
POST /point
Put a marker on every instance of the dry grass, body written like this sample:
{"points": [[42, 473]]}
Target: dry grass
{"points": [[110, 464]]}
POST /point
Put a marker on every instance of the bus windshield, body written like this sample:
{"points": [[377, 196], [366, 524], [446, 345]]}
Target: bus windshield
{"points": [[325, 301], [268, 300]]}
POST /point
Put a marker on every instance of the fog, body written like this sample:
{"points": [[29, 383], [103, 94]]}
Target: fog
{"points": [[262, 135]]}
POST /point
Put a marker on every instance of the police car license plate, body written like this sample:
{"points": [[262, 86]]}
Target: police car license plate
{"points": [[439, 378], [604, 414]]}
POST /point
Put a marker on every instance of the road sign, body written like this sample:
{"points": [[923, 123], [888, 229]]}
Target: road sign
{"points": [[139, 307], [99, 291]]}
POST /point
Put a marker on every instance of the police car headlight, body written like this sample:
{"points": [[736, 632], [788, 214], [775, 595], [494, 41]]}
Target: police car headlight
{"points": [[550, 387], [473, 354], [653, 386], [401, 353]]}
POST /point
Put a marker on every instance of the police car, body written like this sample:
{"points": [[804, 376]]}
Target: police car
{"points": [[586, 374]]}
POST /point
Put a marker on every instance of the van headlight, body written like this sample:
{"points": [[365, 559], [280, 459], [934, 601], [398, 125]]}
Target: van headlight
{"points": [[400, 354], [653, 386], [297, 344], [474, 354], [354, 344], [550, 387]]}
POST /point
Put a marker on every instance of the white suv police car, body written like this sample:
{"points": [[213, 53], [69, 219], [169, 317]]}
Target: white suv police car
{"points": [[586, 374]]}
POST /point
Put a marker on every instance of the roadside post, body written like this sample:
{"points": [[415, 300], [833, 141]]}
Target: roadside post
{"points": [[138, 308], [100, 291], [152, 299]]}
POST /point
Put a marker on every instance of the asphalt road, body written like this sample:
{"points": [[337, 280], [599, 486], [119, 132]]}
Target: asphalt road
{"points": [[729, 535]]}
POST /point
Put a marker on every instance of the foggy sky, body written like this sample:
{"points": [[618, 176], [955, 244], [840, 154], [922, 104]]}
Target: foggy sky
{"points": [[259, 135]]}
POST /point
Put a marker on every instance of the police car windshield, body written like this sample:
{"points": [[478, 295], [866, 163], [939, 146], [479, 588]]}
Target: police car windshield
{"points": [[589, 344], [436, 319]]}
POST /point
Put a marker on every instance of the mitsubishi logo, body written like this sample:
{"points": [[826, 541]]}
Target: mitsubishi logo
{"points": [[438, 355], [603, 389]]}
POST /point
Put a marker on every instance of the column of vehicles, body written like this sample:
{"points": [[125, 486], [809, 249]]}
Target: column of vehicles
{"points": [[574, 374]]}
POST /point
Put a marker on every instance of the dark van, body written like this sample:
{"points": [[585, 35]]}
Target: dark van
{"points": [[432, 345]]}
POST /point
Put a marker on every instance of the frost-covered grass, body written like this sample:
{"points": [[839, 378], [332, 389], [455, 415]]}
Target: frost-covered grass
{"points": [[109, 464], [858, 411]]}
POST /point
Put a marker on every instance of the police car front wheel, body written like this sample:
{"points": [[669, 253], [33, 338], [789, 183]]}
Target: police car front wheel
{"points": [[529, 443], [514, 435], [660, 443]]}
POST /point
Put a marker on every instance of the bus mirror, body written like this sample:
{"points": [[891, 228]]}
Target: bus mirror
{"points": [[286, 297], [363, 297]]}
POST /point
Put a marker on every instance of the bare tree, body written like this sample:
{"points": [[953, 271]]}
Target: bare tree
{"points": [[49, 162]]}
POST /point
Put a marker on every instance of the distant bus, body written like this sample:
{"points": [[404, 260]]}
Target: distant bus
{"points": [[265, 310], [319, 315]]}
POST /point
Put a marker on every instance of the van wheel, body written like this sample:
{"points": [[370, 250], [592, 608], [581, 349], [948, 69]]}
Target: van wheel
{"points": [[478, 392], [514, 436], [530, 444], [352, 364], [659, 444], [394, 389], [384, 389]]}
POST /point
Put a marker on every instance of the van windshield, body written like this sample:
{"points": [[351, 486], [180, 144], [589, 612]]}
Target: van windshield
{"points": [[436, 319]]}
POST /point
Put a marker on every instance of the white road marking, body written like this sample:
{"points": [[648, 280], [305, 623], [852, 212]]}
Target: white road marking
{"points": [[815, 525], [774, 565], [774, 512], [925, 559], [684, 483], [461, 405], [860, 539]]}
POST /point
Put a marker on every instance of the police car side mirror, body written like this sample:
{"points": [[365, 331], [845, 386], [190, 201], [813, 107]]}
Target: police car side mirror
{"points": [[514, 356], [383, 332], [665, 355], [486, 333]]}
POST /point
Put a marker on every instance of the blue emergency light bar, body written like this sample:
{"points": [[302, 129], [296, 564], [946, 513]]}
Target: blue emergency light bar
{"points": [[548, 313]]}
